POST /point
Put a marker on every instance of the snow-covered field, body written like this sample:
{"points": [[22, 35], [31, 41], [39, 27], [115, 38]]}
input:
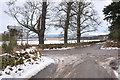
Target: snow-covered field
{"points": [[53, 42], [0, 43]]}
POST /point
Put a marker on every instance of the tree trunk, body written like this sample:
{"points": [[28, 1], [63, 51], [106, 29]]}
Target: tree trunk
{"points": [[42, 31], [67, 22], [78, 25], [78, 34], [65, 34], [78, 29], [40, 39], [27, 37], [44, 7]]}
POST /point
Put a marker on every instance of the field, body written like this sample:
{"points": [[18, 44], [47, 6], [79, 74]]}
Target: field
{"points": [[53, 42]]}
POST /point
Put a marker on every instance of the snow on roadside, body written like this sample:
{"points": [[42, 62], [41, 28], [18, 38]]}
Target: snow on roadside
{"points": [[86, 46], [27, 70], [106, 62], [67, 48], [109, 48], [116, 74], [106, 66], [119, 72], [101, 43]]}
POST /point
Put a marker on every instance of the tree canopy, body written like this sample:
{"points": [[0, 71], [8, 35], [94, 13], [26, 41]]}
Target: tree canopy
{"points": [[112, 15], [31, 15]]}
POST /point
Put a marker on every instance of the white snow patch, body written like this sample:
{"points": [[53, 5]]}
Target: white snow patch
{"points": [[116, 73], [109, 48], [67, 48], [119, 72], [106, 62], [109, 59], [1, 43], [28, 69], [101, 43]]}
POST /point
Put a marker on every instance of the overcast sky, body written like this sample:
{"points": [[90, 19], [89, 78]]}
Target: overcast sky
{"points": [[99, 5]]}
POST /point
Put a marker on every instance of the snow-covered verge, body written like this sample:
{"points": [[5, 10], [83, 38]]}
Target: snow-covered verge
{"points": [[106, 65], [116, 74], [108, 48], [29, 68], [119, 72], [64, 48]]}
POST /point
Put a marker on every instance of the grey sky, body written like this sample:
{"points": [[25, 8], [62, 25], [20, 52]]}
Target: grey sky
{"points": [[99, 5]]}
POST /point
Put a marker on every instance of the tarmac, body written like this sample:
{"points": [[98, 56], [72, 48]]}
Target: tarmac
{"points": [[80, 62]]}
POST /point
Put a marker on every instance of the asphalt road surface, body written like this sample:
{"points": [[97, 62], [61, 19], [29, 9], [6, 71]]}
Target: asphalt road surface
{"points": [[78, 63]]}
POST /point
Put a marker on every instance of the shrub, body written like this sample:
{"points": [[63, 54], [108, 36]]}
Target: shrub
{"points": [[17, 58], [51, 47], [26, 46], [34, 58], [21, 61], [9, 48], [31, 52], [40, 53], [29, 60], [27, 56], [11, 69], [20, 69], [59, 46], [4, 47], [21, 46], [8, 73]]}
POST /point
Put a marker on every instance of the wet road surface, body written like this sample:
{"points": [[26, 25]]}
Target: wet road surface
{"points": [[78, 63]]}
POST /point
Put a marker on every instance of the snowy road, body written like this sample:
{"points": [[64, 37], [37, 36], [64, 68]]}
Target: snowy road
{"points": [[78, 63]]}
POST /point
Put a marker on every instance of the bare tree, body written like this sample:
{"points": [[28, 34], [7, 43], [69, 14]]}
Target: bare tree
{"points": [[31, 15], [84, 19], [67, 21], [62, 17]]}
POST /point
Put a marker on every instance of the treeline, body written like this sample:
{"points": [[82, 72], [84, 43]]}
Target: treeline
{"points": [[75, 17], [112, 15]]}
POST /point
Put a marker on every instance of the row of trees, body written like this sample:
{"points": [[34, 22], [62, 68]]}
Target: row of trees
{"points": [[77, 17]]}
